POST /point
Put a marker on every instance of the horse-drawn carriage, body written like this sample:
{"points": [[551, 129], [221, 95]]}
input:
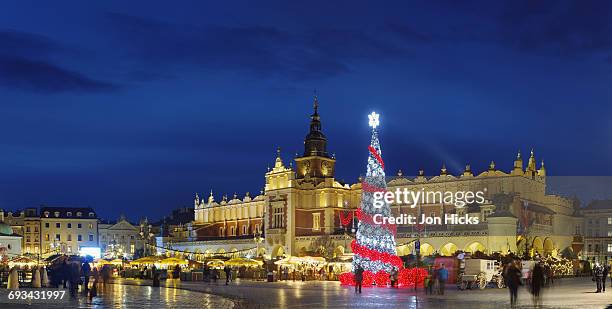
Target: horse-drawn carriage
{"points": [[479, 272]]}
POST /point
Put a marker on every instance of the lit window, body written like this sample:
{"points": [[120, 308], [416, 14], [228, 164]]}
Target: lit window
{"points": [[610, 220], [609, 247], [609, 233], [244, 230], [90, 225], [316, 221]]}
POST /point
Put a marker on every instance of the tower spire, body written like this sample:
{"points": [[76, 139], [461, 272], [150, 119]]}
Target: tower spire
{"points": [[315, 143], [316, 103]]}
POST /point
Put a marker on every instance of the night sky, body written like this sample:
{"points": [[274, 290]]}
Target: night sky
{"points": [[132, 107]]}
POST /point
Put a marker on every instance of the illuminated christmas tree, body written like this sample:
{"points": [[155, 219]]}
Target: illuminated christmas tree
{"points": [[374, 246]]}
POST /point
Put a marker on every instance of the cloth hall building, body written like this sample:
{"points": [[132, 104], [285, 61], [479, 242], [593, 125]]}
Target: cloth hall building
{"points": [[303, 207]]}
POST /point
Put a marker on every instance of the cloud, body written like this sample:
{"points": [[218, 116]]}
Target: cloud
{"points": [[261, 50], [41, 76], [25, 65], [566, 27], [19, 43]]}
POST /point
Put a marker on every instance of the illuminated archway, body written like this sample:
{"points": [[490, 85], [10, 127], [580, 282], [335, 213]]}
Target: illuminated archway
{"points": [[339, 251], [448, 249], [537, 246], [549, 246], [426, 249], [475, 246], [277, 251], [404, 250]]}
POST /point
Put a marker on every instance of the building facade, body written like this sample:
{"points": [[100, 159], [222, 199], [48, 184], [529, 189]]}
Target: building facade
{"points": [[10, 243], [119, 239], [67, 230], [597, 231], [303, 206], [25, 223]]}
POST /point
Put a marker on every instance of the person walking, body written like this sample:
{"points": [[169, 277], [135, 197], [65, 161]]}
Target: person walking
{"points": [[427, 284], [358, 278], [393, 277], [537, 282], [512, 275], [606, 271], [228, 272], [442, 278], [86, 269], [598, 276]]}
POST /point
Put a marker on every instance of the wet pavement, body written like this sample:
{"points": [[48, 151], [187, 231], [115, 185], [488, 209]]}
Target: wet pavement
{"points": [[133, 296], [132, 293], [566, 293]]}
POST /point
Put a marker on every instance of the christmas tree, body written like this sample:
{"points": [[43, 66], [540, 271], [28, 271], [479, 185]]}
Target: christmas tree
{"points": [[374, 246]]}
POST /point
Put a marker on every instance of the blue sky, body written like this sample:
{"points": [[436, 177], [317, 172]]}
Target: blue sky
{"points": [[133, 107]]}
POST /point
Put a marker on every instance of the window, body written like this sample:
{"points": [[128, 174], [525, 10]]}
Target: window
{"points": [[47, 214], [27, 229], [57, 237], [91, 215], [79, 225], [232, 231], [36, 229], [609, 247], [257, 228], [79, 214], [69, 237], [132, 237], [90, 225], [244, 230], [69, 214], [47, 225], [58, 225], [69, 225], [46, 237], [79, 237], [91, 237], [316, 221], [221, 230], [278, 217], [610, 220], [132, 249], [56, 214], [609, 233]]}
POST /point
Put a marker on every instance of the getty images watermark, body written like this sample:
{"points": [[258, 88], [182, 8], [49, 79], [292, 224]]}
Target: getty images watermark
{"points": [[415, 197]]}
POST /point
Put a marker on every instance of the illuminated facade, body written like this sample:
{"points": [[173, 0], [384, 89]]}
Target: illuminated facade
{"points": [[301, 206]]}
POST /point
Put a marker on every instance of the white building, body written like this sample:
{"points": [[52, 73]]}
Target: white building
{"points": [[68, 229], [10, 243]]}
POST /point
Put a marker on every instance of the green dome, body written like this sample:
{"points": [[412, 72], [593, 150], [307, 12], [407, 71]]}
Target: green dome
{"points": [[6, 229]]}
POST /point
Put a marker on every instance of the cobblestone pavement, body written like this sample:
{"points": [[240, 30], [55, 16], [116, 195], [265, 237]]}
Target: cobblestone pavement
{"points": [[132, 293], [566, 293], [135, 296]]}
